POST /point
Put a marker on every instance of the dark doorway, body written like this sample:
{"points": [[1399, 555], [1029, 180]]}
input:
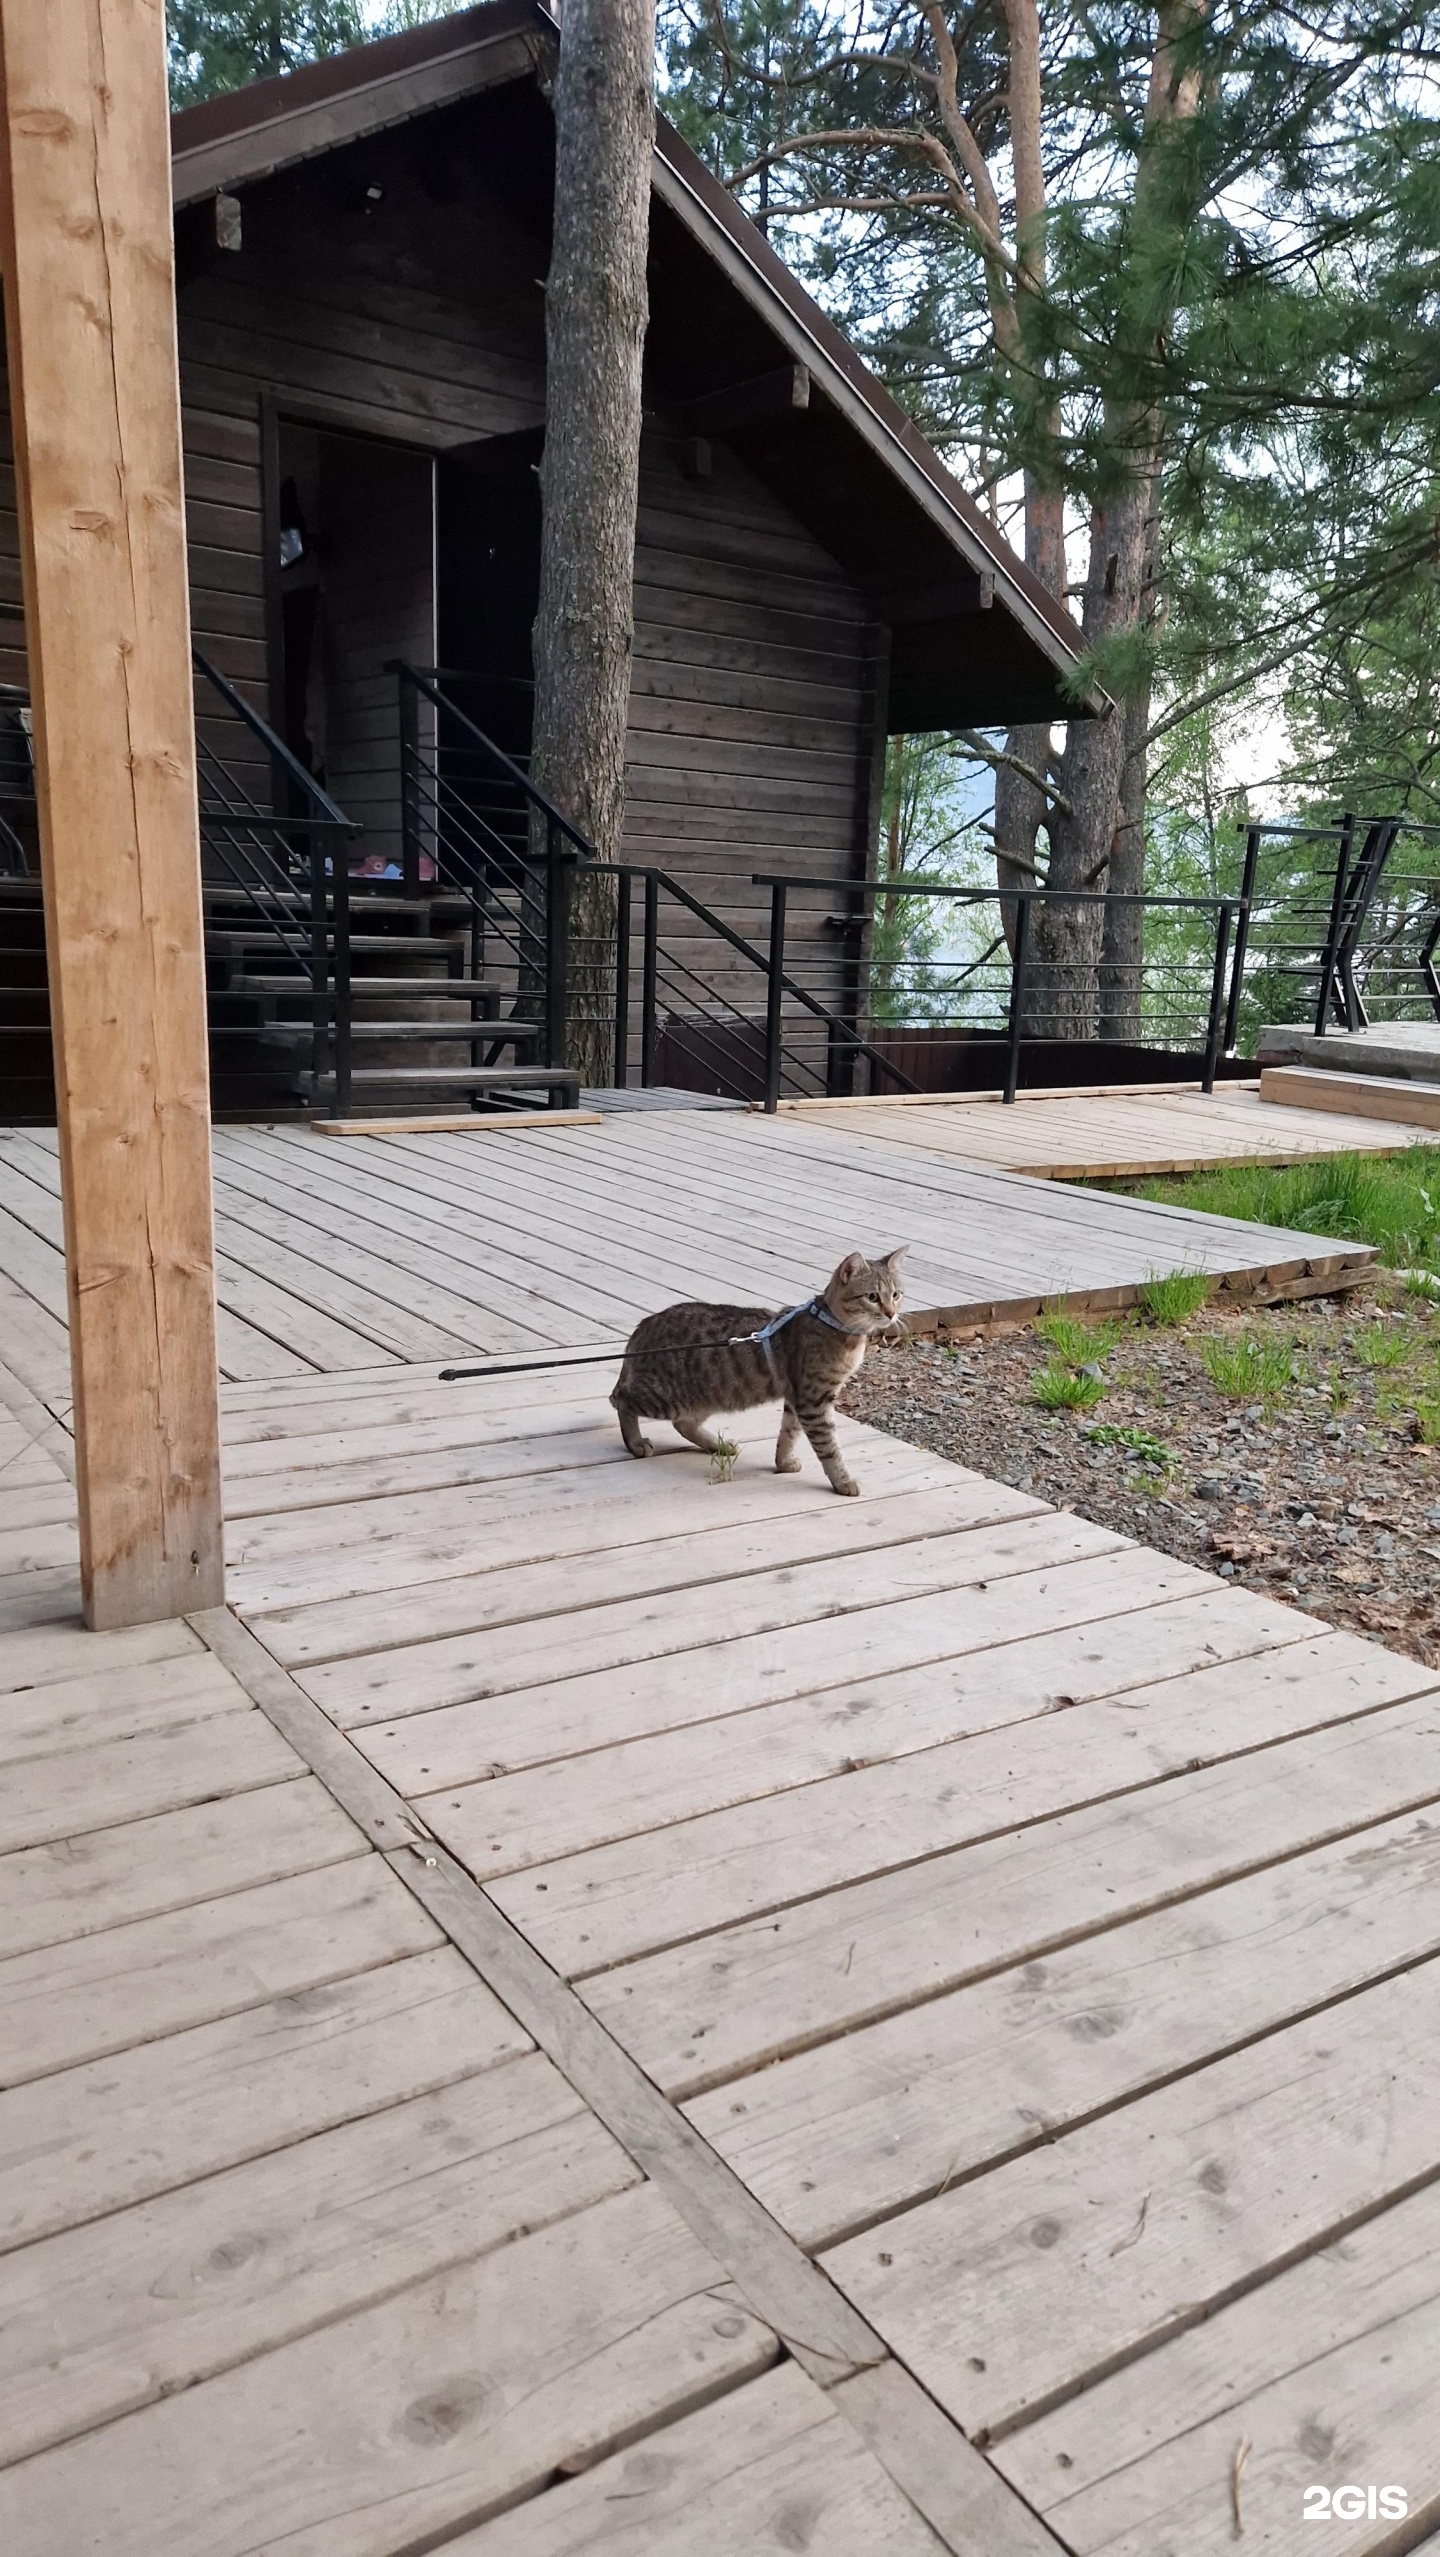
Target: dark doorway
{"points": [[488, 577], [357, 590]]}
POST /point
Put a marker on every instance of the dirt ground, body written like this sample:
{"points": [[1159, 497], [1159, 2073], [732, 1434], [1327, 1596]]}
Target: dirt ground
{"points": [[1317, 1486]]}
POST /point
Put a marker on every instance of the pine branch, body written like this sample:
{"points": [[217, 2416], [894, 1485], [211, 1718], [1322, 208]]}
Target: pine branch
{"points": [[1000, 760]]}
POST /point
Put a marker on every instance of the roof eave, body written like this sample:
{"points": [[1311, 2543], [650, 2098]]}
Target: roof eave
{"points": [[271, 125]]}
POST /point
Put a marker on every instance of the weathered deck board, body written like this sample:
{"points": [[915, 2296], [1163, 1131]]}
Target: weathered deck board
{"points": [[1118, 1135], [286, 2243], [464, 2391], [956, 1867], [1001, 1897], [771, 2466], [431, 1248]]}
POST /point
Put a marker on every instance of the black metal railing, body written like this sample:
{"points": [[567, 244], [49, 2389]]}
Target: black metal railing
{"points": [[703, 989], [288, 866], [1339, 928], [474, 825], [993, 973]]}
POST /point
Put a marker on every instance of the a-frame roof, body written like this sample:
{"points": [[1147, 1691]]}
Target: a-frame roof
{"points": [[976, 640]]}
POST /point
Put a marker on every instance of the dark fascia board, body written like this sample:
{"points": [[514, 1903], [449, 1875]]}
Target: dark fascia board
{"points": [[251, 133], [274, 124]]}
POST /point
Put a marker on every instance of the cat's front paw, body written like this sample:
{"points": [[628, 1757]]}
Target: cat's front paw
{"points": [[846, 1485], [787, 1464]]}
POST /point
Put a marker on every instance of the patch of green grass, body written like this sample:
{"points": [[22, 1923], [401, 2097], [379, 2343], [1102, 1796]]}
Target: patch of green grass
{"points": [[1175, 1299], [1074, 1342], [1141, 1442], [1427, 1417], [724, 1456], [1391, 1202], [1252, 1370], [1056, 1389], [1382, 1345]]}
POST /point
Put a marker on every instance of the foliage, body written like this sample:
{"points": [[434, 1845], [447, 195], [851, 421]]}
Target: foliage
{"points": [[1057, 1389], [1176, 1298], [216, 45], [1249, 1369], [1391, 1202], [926, 951], [1076, 1342], [724, 1456], [1143, 1443], [1382, 1345], [223, 44], [1265, 302]]}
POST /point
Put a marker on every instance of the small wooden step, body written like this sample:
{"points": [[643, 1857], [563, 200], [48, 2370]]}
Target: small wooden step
{"points": [[1365, 1096], [513, 1034], [224, 937], [461, 1078]]}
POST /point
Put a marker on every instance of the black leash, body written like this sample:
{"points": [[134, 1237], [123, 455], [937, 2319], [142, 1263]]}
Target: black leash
{"points": [[598, 1358]]}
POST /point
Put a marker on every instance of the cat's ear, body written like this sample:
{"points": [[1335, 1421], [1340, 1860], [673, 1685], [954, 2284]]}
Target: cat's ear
{"points": [[893, 1259], [850, 1270]]}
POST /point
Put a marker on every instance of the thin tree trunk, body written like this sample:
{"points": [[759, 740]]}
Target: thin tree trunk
{"points": [[1122, 948], [595, 317], [1097, 762]]}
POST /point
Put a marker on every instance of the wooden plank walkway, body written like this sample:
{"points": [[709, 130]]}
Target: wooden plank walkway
{"points": [[400, 1250], [1044, 1932], [842, 1945], [1058, 1136]]}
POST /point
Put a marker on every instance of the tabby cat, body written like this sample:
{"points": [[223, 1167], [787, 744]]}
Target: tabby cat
{"points": [[694, 1360]]}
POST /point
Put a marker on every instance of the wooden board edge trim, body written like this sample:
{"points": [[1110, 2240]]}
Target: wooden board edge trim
{"points": [[974, 1100], [973, 2510], [1366, 1096], [488, 1120], [1267, 1158], [1281, 1285]]}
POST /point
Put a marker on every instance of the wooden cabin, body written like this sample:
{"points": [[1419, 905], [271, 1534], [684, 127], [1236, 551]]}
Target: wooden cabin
{"points": [[361, 253]]}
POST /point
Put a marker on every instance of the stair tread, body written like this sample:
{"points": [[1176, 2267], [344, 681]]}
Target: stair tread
{"points": [[411, 988], [487, 1077], [442, 1030]]}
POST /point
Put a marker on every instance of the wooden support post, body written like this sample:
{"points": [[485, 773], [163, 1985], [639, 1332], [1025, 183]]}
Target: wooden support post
{"points": [[85, 236]]}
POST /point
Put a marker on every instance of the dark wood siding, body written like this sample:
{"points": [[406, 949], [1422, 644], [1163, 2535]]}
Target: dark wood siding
{"points": [[417, 317], [752, 715]]}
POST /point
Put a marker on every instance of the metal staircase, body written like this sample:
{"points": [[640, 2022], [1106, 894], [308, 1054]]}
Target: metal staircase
{"points": [[327, 993]]}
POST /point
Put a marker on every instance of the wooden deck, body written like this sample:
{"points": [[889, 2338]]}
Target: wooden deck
{"points": [[981, 1973], [402, 1249], [1059, 1136]]}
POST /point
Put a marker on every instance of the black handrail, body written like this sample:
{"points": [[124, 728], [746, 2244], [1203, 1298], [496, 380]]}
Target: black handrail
{"points": [[1021, 900], [513, 772], [227, 818], [758, 958]]}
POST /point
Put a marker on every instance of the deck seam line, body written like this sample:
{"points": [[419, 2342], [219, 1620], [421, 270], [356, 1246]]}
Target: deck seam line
{"points": [[974, 2511], [40, 1426]]}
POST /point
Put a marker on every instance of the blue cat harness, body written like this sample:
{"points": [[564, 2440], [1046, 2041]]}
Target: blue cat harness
{"points": [[813, 1305]]}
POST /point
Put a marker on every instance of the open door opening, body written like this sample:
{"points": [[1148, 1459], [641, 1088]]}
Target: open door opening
{"points": [[356, 575], [488, 551]]}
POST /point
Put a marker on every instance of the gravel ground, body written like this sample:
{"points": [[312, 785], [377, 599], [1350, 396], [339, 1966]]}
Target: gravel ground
{"points": [[1324, 1491]]}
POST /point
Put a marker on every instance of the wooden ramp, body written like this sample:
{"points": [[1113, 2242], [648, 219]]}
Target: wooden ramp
{"points": [[617, 2011], [435, 1248], [1059, 1136]]}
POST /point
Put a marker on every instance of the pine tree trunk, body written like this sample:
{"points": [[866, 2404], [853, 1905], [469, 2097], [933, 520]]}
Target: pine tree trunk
{"points": [[1069, 937], [595, 316], [1122, 949]]}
